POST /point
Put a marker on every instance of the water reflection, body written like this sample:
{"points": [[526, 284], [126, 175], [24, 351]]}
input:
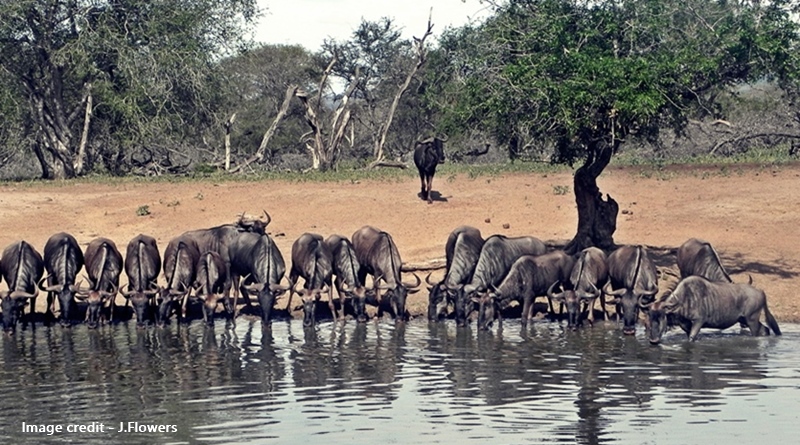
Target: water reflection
{"points": [[416, 382]]}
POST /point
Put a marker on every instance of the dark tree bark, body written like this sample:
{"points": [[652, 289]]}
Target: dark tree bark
{"points": [[597, 218]]}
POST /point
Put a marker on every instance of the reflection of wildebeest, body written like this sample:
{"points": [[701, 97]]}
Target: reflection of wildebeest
{"points": [[103, 267], [497, 255], [427, 155], [63, 260], [633, 281], [698, 303], [142, 266], [698, 257], [588, 276], [529, 277], [379, 257], [22, 268], [345, 268], [312, 260], [462, 251]]}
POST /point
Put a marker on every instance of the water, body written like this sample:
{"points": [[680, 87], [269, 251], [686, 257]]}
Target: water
{"points": [[378, 383]]}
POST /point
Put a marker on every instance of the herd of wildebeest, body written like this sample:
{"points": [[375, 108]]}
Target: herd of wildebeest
{"points": [[218, 264]]}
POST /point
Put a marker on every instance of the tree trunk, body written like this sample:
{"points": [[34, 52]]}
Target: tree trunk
{"points": [[46, 168], [597, 218]]}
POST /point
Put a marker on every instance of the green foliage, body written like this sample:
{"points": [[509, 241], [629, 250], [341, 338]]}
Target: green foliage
{"points": [[583, 75]]}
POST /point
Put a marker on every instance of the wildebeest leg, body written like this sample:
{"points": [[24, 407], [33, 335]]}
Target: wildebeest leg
{"points": [[527, 308], [694, 331], [330, 303], [423, 187], [292, 282], [428, 185]]}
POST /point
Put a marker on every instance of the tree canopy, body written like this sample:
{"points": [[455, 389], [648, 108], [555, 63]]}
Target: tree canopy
{"points": [[586, 76]]}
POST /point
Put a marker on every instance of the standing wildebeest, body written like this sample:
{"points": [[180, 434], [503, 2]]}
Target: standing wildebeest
{"points": [[219, 239], [210, 283], [633, 275], [529, 277], [22, 268], [378, 255], [427, 155], [63, 259], [497, 255], [142, 266], [103, 267], [588, 276], [257, 257], [698, 257], [312, 260], [462, 251], [345, 267], [180, 269], [699, 303]]}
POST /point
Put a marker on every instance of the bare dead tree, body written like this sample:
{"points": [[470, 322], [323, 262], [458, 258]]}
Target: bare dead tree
{"points": [[421, 53], [259, 154], [325, 151]]}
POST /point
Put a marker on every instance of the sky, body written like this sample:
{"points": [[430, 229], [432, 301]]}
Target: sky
{"points": [[309, 22]]}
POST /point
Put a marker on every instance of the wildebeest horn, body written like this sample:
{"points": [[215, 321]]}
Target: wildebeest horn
{"points": [[127, 293], [750, 280], [428, 279], [111, 294], [588, 295], [414, 286], [552, 295], [645, 305], [51, 288], [646, 293], [607, 290], [269, 218], [254, 287], [22, 294]]}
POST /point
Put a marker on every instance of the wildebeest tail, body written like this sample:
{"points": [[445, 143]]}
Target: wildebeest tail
{"points": [[773, 324]]}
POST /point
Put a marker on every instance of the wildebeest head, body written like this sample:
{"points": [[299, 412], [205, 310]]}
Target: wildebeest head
{"points": [[358, 296], [266, 294], [658, 317], [310, 297], [66, 298], [630, 301], [396, 296], [464, 303], [96, 300], [438, 296], [437, 148], [210, 303], [141, 302], [166, 302], [572, 299], [12, 305], [488, 308]]}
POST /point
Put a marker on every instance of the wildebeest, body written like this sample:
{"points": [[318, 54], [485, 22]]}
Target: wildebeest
{"points": [[311, 260], [63, 260], [497, 255], [427, 155], [633, 281], [180, 269], [345, 268], [378, 255], [462, 251], [219, 239], [588, 276], [529, 277], [22, 267], [210, 283], [258, 258], [103, 267], [698, 257], [698, 303], [142, 266]]}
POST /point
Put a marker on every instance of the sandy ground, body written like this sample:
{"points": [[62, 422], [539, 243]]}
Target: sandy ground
{"points": [[749, 213]]}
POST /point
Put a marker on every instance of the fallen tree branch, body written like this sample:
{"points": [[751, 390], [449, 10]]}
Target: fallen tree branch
{"points": [[385, 163], [434, 264], [751, 136]]}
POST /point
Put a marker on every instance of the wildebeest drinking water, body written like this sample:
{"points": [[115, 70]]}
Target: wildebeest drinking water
{"points": [[697, 303], [63, 259], [462, 250], [633, 281]]}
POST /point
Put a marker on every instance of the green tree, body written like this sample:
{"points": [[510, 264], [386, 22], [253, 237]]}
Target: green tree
{"points": [[587, 76], [138, 71]]}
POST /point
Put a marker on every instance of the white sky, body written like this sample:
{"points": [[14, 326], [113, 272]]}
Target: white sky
{"points": [[309, 22]]}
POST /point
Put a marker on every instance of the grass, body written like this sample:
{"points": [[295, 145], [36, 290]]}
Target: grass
{"points": [[354, 173]]}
